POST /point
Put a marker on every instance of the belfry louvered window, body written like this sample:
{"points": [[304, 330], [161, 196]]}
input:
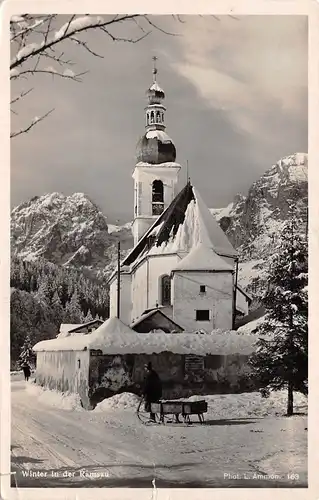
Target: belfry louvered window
{"points": [[157, 197]]}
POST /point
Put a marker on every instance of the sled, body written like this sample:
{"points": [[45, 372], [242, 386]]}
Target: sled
{"points": [[180, 408], [176, 409]]}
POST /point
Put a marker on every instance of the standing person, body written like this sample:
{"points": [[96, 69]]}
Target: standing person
{"points": [[152, 389], [27, 372]]}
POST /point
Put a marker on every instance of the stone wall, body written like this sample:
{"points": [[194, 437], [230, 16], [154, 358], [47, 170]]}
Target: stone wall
{"points": [[182, 376]]}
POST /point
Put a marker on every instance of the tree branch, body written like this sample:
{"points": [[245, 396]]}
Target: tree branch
{"points": [[118, 39], [158, 28], [20, 96], [51, 71], [62, 35], [26, 28], [85, 45], [34, 122]]}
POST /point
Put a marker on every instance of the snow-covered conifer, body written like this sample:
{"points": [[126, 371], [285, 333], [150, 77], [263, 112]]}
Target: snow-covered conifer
{"points": [[26, 356], [88, 317], [282, 361], [73, 309]]}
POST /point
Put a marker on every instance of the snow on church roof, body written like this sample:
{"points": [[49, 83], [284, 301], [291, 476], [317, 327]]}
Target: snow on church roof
{"points": [[186, 222], [114, 337], [202, 258]]}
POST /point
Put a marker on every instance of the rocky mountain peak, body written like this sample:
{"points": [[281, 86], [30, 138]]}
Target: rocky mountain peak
{"points": [[66, 230], [253, 222]]}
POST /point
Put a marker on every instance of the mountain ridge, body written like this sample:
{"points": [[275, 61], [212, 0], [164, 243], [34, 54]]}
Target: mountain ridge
{"points": [[72, 231]]}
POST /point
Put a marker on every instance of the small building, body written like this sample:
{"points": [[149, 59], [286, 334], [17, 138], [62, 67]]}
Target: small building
{"points": [[155, 319], [111, 360], [243, 302], [67, 329]]}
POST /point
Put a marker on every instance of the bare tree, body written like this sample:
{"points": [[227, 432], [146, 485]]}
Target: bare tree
{"points": [[36, 46]]}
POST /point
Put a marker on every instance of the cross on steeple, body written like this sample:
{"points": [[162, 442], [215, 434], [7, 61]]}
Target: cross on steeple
{"points": [[154, 68]]}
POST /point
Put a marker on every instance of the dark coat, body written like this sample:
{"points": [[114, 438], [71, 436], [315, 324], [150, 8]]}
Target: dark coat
{"points": [[152, 387], [26, 371]]}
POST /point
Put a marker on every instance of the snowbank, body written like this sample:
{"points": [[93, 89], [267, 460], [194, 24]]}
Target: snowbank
{"points": [[220, 406], [250, 404], [114, 337], [126, 400], [251, 326], [64, 401]]}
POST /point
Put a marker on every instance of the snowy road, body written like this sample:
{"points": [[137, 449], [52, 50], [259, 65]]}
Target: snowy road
{"points": [[54, 447]]}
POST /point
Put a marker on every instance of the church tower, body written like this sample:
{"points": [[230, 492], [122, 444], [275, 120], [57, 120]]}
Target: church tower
{"points": [[156, 172]]}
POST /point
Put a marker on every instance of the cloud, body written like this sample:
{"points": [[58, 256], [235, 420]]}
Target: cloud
{"points": [[236, 97], [243, 67]]}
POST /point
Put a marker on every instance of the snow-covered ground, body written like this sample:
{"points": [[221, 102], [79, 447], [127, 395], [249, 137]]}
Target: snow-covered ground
{"points": [[245, 435]]}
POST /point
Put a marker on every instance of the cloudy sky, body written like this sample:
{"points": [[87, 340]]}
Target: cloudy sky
{"points": [[236, 98]]}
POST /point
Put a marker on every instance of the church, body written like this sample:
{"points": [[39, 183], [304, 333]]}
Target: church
{"points": [[181, 274]]}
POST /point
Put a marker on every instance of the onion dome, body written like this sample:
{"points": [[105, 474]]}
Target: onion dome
{"points": [[155, 94], [155, 146]]}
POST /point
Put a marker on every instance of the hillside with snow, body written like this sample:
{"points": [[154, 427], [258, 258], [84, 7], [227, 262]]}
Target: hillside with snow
{"points": [[253, 222], [68, 231]]}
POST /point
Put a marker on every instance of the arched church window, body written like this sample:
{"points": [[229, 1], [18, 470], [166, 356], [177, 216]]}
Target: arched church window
{"points": [[158, 117], [152, 117], [162, 117], [166, 290], [157, 197]]}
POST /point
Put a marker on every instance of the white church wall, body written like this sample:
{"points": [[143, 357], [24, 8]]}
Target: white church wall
{"points": [[217, 299], [158, 267], [146, 289], [139, 291], [125, 298], [229, 260]]}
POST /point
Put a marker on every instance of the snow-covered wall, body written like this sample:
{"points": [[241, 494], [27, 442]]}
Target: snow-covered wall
{"points": [[65, 371], [218, 299], [125, 298], [181, 375]]}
